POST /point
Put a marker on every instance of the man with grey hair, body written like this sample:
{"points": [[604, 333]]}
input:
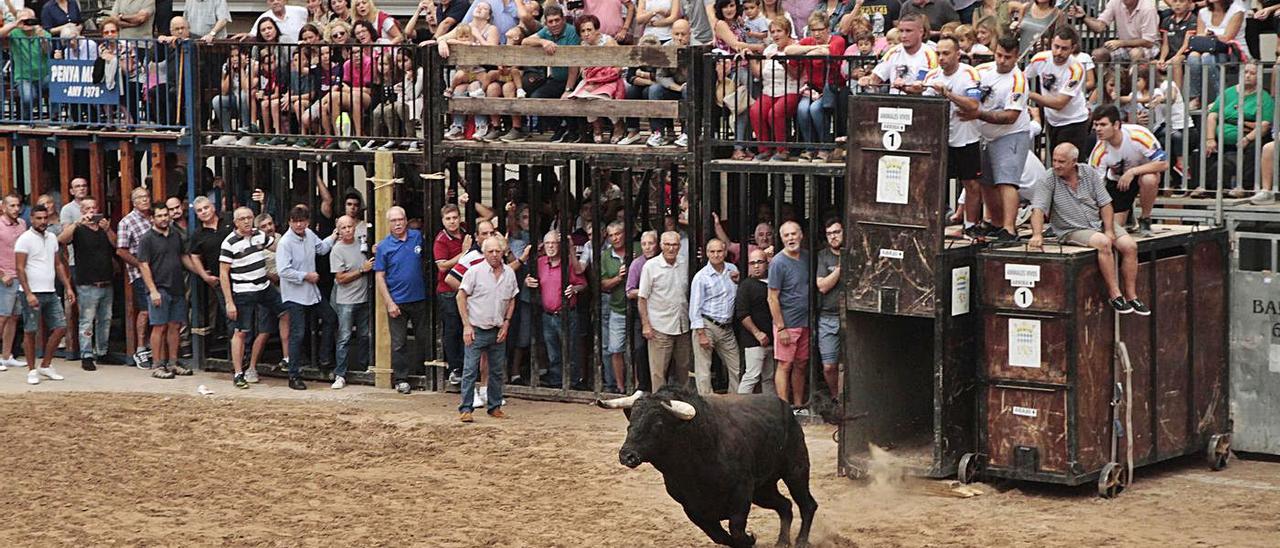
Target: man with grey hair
{"points": [[246, 290], [664, 312], [91, 236], [613, 328], [558, 305], [402, 286], [711, 317], [131, 230], [640, 354], [486, 302]]}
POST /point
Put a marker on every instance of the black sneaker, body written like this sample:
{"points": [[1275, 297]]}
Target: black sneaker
{"points": [[1139, 308], [975, 232], [88, 365], [1144, 227], [558, 136], [1121, 305], [297, 384], [240, 382], [1003, 236]]}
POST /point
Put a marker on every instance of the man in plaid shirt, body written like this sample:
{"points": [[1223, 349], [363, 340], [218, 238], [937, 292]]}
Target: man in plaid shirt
{"points": [[130, 231]]}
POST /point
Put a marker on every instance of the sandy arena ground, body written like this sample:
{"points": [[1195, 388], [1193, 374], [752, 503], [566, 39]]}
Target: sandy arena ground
{"points": [[117, 458]]}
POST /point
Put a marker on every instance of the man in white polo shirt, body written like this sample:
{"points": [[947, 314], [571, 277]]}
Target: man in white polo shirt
{"points": [[664, 312]]}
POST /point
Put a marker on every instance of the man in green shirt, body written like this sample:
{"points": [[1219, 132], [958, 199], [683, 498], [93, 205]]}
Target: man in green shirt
{"points": [[613, 284], [1245, 114], [30, 48]]}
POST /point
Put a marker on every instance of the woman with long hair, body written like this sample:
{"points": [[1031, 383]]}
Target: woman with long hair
{"points": [[1223, 21], [779, 94], [387, 31]]}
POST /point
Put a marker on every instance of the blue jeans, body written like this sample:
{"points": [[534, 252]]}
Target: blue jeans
{"points": [[814, 117], [349, 316], [297, 330], [555, 355], [31, 94], [1209, 62], [231, 107], [95, 319], [486, 343], [451, 330]]}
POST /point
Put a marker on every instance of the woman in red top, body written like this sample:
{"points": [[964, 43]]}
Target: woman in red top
{"points": [[822, 84]]}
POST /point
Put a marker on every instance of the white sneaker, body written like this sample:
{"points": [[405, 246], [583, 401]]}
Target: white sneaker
{"points": [[1263, 197], [33, 377], [49, 373], [453, 134], [245, 141], [3, 367], [225, 140], [338, 383], [251, 375], [476, 93], [11, 362], [655, 140], [480, 132], [630, 139], [481, 397], [683, 140]]}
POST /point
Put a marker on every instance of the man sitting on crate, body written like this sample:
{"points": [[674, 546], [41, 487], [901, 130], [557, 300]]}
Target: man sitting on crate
{"points": [[1081, 215]]}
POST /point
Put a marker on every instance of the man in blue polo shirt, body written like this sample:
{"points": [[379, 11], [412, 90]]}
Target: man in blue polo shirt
{"points": [[402, 286]]}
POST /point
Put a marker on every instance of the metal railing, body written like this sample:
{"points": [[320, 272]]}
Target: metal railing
{"points": [[81, 83]]}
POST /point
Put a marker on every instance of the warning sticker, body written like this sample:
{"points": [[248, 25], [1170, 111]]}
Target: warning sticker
{"points": [[1022, 275], [1029, 412]]}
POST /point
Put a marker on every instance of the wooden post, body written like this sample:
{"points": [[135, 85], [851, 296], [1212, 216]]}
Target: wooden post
{"points": [[6, 165], [159, 173], [66, 165], [98, 176], [383, 199], [35, 151], [128, 178]]}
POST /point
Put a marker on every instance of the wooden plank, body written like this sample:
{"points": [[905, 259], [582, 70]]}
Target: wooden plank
{"points": [[565, 56], [588, 108], [159, 173], [128, 178], [383, 196], [98, 175], [66, 168], [6, 165], [35, 171]]}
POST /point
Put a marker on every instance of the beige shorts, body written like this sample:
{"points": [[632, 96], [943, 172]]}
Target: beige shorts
{"points": [[1081, 237]]}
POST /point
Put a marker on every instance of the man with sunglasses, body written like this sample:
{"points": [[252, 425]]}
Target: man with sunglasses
{"points": [[755, 326]]}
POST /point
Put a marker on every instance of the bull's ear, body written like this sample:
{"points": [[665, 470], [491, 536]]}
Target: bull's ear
{"points": [[680, 410]]}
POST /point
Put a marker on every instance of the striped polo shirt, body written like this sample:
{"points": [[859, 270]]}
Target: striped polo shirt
{"points": [[248, 259]]}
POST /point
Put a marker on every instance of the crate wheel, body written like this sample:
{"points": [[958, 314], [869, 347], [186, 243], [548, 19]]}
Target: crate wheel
{"points": [[969, 467], [1219, 451], [1112, 480]]}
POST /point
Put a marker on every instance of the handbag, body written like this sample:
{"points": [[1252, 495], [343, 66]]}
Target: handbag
{"points": [[1206, 44]]}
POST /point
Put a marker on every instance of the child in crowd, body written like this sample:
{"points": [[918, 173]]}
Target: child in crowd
{"points": [[755, 22], [466, 80], [891, 38], [965, 39]]}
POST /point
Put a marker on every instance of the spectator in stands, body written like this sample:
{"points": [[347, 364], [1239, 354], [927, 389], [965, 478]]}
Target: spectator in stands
{"points": [[160, 259], [209, 19], [451, 244], [1131, 161], [614, 18], [779, 94], [402, 110], [907, 63], [755, 326], [598, 83], [288, 20], [296, 264], [1176, 29], [398, 263], [135, 18], [317, 12], [351, 297], [1039, 21], [502, 13], [559, 306], [486, 302], [1245, 114], [773, 9], [1264, 21], [999, 15], [711, 299], [823, 86], [1136, 29], [1080, 210], [655, 17], [75, 47], [560, 80], [664, 313], [89, 234], [939, 12], [1004, 123], [667, 84], [831, 304], [789, 281], [59, 15], [232, 105], [131, 230], [30, 59], [1219, 27], [448, 14], [36, 260], [384, 25], [1062, 94], [958, 82], [11, 228], [613, 330], [699, 14], [640, 350], [340, 11], [353, 96], [732, 37]]}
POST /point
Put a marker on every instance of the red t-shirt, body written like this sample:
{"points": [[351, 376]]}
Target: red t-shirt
{"points": [[445, 247], [819, 71]]}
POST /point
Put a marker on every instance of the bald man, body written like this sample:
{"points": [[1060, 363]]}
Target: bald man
{"points": [[1082, 215], [402, 286]]}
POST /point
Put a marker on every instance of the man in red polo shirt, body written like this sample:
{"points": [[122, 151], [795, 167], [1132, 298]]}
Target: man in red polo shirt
{"points": [[450, 245]]}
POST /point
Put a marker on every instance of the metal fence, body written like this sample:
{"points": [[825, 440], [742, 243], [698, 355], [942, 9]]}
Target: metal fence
{"points": [[107, 83]]}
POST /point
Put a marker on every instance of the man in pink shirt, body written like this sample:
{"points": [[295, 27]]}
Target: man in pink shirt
{"points": [[613, 21], [557, 305], [1137, 29], [11, 226]]}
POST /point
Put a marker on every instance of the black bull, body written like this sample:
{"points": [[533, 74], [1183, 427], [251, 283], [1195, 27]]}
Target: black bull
{"points": [[719, 455]]}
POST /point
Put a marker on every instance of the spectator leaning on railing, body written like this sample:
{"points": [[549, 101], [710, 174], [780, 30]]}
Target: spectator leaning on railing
{"points": [[30, 50]]}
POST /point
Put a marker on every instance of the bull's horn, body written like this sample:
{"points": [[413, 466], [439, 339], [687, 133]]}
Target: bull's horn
{"points": [[680, 409], [620, 403]]}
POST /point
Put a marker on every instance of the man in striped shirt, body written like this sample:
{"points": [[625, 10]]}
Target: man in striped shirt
{"points": [[711, 296], [245, 287]]}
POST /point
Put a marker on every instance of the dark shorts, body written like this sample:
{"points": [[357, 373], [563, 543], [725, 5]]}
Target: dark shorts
{"points": [[964, 163], [172, 309], [1122, 202], [257, 311], [141, 296], [1079, 134]]}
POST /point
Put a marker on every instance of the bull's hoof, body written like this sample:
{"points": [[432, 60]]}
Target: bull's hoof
{"points": [[782, 544], [746, 541]]}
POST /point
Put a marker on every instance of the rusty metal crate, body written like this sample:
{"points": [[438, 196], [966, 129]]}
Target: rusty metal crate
{"points": [[1053, 388]]}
